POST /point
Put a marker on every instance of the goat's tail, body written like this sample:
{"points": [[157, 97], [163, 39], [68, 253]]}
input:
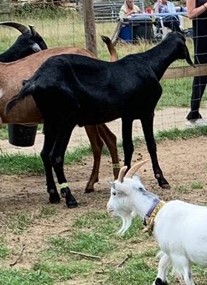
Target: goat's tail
{"points": [[111, 48], [25, 91]]}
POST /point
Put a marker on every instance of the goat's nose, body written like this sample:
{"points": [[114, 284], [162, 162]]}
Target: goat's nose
{"points": [[110, 209]]}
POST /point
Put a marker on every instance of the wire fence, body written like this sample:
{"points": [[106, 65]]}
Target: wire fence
{"points": [[69, 31]]}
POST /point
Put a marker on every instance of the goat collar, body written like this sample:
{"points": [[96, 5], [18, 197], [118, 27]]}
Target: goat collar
{"points": [[151, 214]]}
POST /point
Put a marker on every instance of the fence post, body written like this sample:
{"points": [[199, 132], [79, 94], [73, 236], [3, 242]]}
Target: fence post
{"points": [[89, 26]]}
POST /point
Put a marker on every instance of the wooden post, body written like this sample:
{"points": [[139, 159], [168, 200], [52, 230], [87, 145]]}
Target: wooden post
{"points": [[89, 26]]}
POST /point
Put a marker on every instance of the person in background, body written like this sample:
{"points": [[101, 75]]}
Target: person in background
{"points": [[172, 21], [164, 6], [128, 8], [197, 11]]}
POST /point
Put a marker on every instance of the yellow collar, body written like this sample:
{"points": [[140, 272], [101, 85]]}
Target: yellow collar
{"points": [[149, 221]]}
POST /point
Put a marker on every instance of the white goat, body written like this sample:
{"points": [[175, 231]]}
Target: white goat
{"points": [[180, 228]]}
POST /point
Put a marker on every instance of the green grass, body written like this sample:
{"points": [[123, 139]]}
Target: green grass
{"points": [[32, 164], [175, 134], [4, 251], [30, 277], [197, 185], [130, 259], [63, 272], [137, 271]]}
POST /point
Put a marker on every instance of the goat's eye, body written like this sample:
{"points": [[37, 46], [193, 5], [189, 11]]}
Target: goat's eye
{"points": [[114, 193]]}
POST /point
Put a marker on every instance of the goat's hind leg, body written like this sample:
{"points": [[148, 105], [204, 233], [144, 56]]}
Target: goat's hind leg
{"points": [[183, 266], [97, 145], [57, 161], [110, 140], [97, 134], [147, 125], [54, 197]]}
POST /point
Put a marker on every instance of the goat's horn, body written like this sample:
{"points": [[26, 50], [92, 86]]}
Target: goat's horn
{"points": [[121, 173], [134, 168], [23, 29], [32, 29]]}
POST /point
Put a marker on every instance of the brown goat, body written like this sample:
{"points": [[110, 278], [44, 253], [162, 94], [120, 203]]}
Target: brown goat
{"points": [[11, 77]]}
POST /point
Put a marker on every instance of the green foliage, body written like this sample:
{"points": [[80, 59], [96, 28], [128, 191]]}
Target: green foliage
{"points": [[40, 11], [17, 277]]}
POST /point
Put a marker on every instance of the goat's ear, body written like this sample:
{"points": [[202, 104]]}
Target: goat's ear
{"points": [[186, 53], [134, 168], [187, 56], [32, 29]]}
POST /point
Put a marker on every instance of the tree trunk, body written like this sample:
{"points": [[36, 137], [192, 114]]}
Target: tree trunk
{"points": [[89, 25]]}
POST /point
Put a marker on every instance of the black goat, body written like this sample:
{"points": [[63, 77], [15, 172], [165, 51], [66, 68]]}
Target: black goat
{"points": [[27, 43], [72, 89]]}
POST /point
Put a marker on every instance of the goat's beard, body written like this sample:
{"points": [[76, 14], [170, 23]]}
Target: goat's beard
{"points": [[126, 223]]}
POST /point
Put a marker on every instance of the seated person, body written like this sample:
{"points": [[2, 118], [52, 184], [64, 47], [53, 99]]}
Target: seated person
{"points": [[128, 8], [170, 21]]}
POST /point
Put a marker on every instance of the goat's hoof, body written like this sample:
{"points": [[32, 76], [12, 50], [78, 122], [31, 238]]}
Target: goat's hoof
{"points": [[166, 186], [71, 202], [163, 183], [159, 281], [89, 190], [54, 200], [54, 197]]}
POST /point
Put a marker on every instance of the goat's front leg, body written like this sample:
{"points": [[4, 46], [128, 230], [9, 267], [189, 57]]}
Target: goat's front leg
{"points": [[54, 197], [97, 145], [128, 146], [163, 266], [57, 161], [147, 125]]}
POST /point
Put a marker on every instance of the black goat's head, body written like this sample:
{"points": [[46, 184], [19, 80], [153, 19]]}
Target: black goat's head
{"points": [[180, 39], [29, 39]]}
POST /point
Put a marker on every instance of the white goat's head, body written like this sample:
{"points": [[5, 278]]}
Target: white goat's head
{"points": [[121, 201]]}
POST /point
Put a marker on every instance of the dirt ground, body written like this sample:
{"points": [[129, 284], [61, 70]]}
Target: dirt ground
{"points": [[184, 164]]}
